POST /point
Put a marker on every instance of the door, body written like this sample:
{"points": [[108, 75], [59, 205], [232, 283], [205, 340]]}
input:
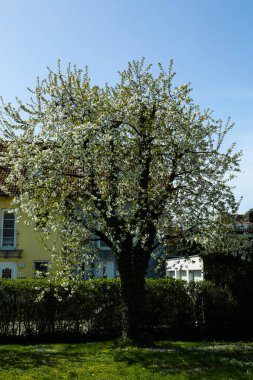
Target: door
{"points": [[8, 270]]}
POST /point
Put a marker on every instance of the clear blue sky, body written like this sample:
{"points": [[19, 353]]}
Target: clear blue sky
{"points": [[210, 41]]}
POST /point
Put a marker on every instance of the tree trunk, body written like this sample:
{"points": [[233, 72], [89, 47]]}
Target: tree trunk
{"points": [[132, 268]]}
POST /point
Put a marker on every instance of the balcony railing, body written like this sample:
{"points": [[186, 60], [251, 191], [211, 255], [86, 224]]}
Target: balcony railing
{"points": [[10, 253]]}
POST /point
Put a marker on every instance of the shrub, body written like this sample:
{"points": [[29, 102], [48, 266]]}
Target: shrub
{"points": [[93, 309], [169, 310]]}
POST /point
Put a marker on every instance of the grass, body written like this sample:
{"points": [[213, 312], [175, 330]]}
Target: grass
{"points": [[114, 361]]}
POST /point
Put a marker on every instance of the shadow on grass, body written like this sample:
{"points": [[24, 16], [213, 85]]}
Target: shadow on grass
{"points": [[29, 360], [189, 361], [193, 363], [26, 357]]}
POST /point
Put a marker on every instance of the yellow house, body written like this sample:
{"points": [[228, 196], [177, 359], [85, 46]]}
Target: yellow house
{"points": [[23, 254], [21, 251]]}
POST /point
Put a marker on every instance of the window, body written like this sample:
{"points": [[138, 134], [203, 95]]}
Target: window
{"points": [[102, 245], [197, 275], [183, 275], [40, 268], [171, 274], [8, 236], [105, 269]]}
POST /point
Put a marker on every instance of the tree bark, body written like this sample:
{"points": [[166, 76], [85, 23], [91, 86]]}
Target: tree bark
{"points": [[132, 268]]}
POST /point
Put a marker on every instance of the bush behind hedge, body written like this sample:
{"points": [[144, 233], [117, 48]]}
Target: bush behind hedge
{"points": [[93, 309]]}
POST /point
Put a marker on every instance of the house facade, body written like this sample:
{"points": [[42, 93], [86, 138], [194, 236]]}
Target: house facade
{"points": [[23, 254], [191, 268], [185, 268], [21, 251]]}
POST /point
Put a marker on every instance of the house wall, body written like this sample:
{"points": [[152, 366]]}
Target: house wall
{"points": [[185, 268], [29, 248]]}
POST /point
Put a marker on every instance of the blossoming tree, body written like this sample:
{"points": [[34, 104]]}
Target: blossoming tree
{"points": [[135, 165]]}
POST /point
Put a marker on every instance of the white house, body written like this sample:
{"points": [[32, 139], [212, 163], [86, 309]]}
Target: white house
{"points": [[185, 268]]}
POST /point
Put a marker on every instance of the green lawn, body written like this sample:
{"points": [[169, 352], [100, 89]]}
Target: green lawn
{"points": [[112, 361]]}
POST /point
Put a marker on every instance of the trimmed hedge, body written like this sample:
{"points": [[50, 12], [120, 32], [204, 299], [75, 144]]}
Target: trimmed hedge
{"points": [[195, 310], [236, 274], [93, 309], [39, 308]]}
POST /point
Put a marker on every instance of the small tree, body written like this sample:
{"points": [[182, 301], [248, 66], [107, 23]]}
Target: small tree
{"points": [[134, 165]]}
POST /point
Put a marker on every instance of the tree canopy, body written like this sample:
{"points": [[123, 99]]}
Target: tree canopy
{"points": [[135, 164]]}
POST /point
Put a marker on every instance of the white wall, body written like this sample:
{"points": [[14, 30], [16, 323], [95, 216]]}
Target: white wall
{"points": [[185, 268]]}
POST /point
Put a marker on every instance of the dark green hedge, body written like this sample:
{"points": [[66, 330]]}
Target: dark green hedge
{"points": [[37, 308], [176, 309], [93, 309], [235, 273]]}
